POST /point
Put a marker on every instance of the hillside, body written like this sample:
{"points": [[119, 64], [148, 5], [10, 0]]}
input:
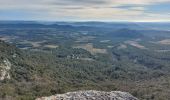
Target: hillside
{"points": [[84, 49], [27, 75], [37, 73], [44, 61], [128, 33]]}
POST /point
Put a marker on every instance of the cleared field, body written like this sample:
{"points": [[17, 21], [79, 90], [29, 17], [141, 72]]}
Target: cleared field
{"points": [[162, 50], [52, 46], [110, 46], [4, 38], [34, 44], [8, 38], [122, 46], [104, 41], [85, 39], [164, 42], [135, 44], [89, 47]]}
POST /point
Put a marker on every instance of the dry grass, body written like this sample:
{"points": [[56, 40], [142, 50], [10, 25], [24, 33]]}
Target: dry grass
{"points": [[164, 42], [104, 41], [89, 47], [8, 38], [4, 38], [34, 44], [135, 44], [51, 46], [85, 39], [162, 50], [122, 46], [110, 46]]}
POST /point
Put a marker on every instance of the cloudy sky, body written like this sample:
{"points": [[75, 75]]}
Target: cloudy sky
{"points": [[85, 10]]}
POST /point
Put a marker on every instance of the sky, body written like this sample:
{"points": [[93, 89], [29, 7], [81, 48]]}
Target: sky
{"points": [[86, 10]]}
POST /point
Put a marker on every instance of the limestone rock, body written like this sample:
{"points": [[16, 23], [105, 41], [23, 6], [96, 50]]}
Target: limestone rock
{"points": [[4, 70], [91, 95]]}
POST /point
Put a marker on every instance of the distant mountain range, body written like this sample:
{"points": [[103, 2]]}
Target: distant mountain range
{"points": [[108, 25]]}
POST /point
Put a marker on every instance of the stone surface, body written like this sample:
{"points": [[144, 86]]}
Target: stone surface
{"points": [[91, 95], [4, 70]]}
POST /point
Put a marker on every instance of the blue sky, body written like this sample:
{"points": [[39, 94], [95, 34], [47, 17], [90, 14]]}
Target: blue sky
{"points": [[85, 10]]}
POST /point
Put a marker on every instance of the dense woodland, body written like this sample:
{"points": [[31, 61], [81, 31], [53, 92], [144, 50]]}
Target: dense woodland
{"points": [[84, 58]]}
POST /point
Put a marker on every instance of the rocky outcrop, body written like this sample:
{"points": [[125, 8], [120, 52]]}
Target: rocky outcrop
{"points": [[91, 95], [4, 70]]}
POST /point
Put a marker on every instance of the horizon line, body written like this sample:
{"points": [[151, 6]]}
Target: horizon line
{"points": [[107, 21]]}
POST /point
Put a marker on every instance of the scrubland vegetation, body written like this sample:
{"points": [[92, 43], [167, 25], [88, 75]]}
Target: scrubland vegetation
{"points": [[47, 61]]}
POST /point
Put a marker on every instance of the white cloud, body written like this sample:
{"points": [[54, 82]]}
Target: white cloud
{"points": [[83, 9]]}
